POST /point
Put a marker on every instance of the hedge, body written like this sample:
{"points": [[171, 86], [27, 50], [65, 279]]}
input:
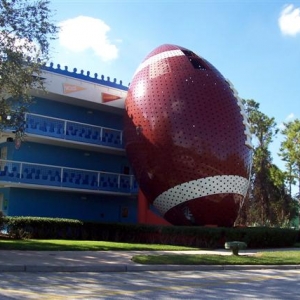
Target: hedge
{"points": [[201, 237]]}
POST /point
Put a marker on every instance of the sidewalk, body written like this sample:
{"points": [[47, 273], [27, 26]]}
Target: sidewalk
{"points": [[108, 261]]}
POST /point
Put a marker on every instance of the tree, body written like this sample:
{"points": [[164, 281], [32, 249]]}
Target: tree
{"points": [[290, 150], [283, 206], [25, 31], [264, 129], [268, 201]]}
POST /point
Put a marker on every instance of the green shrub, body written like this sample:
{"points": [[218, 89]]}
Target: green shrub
{"points": [[263, 237], [39, 227], [201, 237]]}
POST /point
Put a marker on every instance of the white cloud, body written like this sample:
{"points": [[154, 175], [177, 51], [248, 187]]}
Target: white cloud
{"points": [[83, 33], [290, 117], [11, 41], [281, 126], [289, 20]]}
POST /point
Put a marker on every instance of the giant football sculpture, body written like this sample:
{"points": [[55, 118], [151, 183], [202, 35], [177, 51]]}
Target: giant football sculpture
{"points": [[187, 138]]}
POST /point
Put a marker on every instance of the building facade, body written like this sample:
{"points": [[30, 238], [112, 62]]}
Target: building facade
{"points": [[72, 162]]}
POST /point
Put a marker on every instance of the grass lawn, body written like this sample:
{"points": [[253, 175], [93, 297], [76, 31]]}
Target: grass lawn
{"points": [[70, 245], [262, 258]]}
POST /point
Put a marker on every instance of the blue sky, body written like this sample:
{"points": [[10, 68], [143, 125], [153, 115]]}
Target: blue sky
{"points": [[253, 43]]}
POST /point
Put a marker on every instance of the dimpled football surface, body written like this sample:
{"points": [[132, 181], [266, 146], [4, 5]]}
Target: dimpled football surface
{"points": [[187, 138]]}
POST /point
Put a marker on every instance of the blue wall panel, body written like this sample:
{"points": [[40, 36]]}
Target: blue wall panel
{"points": [[68, 157], [87, 207], [76, 113]]}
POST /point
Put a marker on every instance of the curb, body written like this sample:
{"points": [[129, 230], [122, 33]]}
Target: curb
{"points": [[140, 268]]}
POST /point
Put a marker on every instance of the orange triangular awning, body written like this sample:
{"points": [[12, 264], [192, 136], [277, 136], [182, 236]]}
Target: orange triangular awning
{"points": [[108, 97], [71, 88]]}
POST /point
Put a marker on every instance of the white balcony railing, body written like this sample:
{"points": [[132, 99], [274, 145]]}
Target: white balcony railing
{"points": [[75, 131], [50, 175]]}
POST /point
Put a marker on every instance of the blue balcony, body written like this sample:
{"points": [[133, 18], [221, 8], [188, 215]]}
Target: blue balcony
{"points": [[73, 131], [62, 177]]}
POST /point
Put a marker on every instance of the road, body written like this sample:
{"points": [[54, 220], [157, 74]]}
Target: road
{"points": [[227, 284]]}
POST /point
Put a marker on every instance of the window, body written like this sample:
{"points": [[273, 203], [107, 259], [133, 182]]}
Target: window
{"points": [[126, 170], [4, 157], [195, 60]]}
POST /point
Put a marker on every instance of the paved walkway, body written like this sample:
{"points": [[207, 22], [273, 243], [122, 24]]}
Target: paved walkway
{"points": [[106, 261]]}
